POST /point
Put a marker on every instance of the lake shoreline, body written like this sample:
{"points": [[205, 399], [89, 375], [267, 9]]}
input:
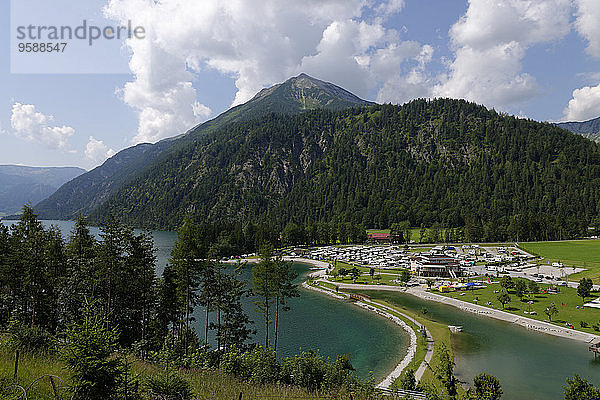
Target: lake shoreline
{"points": [[525, 322]]}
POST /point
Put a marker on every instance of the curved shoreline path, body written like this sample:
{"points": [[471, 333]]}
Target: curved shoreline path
{"points": [[529, 323], [385, 311]]}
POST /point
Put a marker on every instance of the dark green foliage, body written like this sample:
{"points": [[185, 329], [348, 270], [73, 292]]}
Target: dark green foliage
{"points": [[405, 275], [313, 372], [506, 282], [95, 373], [445, 372], [580, 389], [520, 288], [407, 380], [168, 386], [87, 192], [585, 287], [487, 387], [533, 287], [442, 161], [504, 298], [30, 338]]}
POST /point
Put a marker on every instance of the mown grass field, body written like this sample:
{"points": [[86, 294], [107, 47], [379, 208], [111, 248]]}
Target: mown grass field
{"points": [[575, 253], [566, 301]]}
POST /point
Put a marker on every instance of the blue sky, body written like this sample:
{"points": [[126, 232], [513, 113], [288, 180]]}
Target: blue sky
{"points": [[533, 58]]}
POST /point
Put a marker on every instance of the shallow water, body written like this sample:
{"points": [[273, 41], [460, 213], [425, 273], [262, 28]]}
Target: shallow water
{"points": [[529, 365]]}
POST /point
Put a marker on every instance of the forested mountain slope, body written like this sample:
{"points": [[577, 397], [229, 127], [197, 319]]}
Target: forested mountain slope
{"points": [[446, 162], [292, 97]]}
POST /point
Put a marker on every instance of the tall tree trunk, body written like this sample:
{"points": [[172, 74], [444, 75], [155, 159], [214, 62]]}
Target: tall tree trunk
{"points": [[219, 328], [276, 323], [266, 322], [206, 326]]}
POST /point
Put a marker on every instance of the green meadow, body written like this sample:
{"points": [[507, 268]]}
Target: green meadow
{"points": [[573, 253]]}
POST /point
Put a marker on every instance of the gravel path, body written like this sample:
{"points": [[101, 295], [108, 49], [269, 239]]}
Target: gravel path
{"points": [[532, 324]]}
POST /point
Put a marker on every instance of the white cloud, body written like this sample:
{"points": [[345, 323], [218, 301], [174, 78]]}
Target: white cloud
{"points": [[588, 25], [584, 105], [256, 42], [35, 126], [97, 151], [490, 42]]}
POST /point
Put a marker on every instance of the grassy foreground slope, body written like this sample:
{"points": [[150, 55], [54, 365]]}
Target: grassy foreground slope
{"points": [[205, 384]]}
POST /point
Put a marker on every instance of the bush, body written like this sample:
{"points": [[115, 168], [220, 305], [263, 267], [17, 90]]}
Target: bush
{"points": [[263, 365], [29, 338], [233, 363], [168, 386], [307, 370], [583, 324], [407, 380], [311, 371]]}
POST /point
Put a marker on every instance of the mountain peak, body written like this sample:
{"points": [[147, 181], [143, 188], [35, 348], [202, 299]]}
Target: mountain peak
{"points": [[307, 93]]}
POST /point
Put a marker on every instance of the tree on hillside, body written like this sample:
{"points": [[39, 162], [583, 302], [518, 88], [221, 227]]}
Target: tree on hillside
{"points": [[283, 289], [95, 373], [584, 289], [487, 387], [262, 286]]}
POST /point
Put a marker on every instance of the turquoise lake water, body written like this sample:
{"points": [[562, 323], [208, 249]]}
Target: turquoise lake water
{"points": [[529, 365], [314, 321]]}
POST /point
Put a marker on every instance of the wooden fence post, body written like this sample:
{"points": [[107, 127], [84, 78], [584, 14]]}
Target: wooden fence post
{"points": [[16, 365], [54, 387]]}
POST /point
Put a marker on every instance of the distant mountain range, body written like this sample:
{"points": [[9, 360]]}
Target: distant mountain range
{"points": [[589, 129], [20, 185], [90, 190]]}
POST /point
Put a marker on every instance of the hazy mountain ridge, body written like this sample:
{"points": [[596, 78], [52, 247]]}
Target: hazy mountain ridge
{"points": [[21, 184], [589, 129]]}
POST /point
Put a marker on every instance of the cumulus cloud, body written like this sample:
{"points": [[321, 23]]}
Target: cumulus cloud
{"points": [[584, 105], [257, 43], [97, 151], [27, 123], [490, 42], [588, 15]]}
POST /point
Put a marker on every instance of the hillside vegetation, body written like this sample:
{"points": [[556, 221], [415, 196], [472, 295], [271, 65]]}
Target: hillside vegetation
{"points": [[445, 163]]}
